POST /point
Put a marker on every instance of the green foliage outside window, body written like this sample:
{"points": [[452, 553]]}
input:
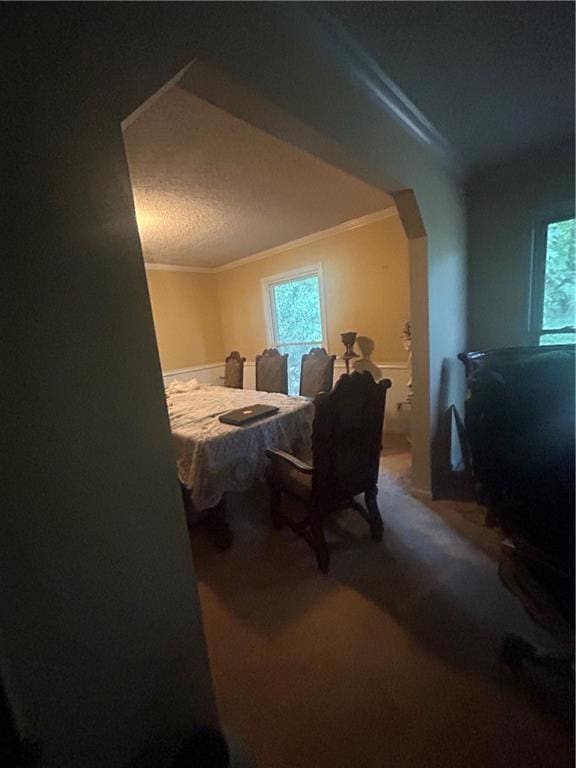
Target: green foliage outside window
{"points": [[556, 338], [298, 323], [297, 306], [560, 284], [295, 352]]}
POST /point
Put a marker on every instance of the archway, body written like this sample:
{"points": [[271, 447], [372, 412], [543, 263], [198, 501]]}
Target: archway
{"points": [[205, 81]]}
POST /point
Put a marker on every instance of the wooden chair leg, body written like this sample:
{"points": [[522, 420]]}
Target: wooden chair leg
{"points": [[353, 504], [375, 519], [320, 545], [185, 497], [276, 505], [218, 526]]}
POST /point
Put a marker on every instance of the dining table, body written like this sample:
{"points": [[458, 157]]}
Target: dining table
{"points": [[214, 458]]}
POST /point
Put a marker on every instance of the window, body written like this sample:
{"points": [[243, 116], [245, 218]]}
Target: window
{"points": [[294, 311], [554, 286]]}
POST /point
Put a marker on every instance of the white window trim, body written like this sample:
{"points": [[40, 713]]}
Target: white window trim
{"points": [[285, 277], [544, 217]]}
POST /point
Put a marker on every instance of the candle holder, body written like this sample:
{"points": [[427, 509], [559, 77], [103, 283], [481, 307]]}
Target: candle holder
{"points": [[349, 339]]}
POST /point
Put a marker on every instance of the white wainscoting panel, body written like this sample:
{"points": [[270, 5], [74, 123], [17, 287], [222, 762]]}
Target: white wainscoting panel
{"points": [[395, 421]]}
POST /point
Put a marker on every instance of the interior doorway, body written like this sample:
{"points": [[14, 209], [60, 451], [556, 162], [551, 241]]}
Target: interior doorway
{"points": [[219, 283]]}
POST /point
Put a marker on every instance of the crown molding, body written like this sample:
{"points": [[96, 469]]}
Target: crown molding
{"points": [[361, 221], [156, 267]]}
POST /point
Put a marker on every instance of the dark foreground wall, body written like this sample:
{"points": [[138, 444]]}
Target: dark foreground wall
{"points": [[102, 648]]}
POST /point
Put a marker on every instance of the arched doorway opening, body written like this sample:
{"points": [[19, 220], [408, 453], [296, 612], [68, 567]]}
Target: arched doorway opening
{"points": [[210, 86]]}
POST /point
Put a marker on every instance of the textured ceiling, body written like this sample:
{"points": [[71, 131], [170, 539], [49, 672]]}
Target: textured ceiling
{"points": [[210, 188]]}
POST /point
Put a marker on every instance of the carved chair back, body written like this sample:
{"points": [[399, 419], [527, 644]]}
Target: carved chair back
{"points": [[234, 371], [316, 372], [272, 372], [347, 438]]}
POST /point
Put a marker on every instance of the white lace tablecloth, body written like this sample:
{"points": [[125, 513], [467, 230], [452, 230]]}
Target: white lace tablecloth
{"points": [[214, 458]]}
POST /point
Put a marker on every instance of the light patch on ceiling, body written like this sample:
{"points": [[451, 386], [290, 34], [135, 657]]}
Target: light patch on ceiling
{"points": [[167, 219], [210, 188]]}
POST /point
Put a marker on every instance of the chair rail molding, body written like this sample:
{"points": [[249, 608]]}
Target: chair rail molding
{"points": [[396, 421]]}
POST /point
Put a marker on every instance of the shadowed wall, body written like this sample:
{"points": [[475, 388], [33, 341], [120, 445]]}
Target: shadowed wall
{"points": [[504, 205]]}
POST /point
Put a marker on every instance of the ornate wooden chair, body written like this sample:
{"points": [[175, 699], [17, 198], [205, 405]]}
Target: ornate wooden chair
{"points": [[346, 444], [272, 372], [316, 372], [234, 371]]}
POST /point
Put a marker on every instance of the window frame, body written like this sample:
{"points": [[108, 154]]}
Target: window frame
{"points": [[538, 281], [267, 283]]}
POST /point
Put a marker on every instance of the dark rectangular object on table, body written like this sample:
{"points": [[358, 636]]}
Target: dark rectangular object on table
{"points": [[246, 415]]}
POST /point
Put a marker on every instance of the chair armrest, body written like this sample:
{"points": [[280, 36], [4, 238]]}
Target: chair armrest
{"points": [[301, 466]]}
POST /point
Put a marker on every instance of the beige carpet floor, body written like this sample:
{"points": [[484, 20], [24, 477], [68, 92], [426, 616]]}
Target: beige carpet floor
{"points": [[392, 659]]}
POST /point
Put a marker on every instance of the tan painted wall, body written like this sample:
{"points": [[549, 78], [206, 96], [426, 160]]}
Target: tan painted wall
{"points": [[186, 318], [366, 285]]}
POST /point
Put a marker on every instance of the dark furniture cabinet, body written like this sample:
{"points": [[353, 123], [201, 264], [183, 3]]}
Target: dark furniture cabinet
{"points": [[520, 430]]}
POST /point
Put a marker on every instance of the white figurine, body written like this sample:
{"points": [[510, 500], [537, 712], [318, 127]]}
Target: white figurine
{"points": [[406, 337]]}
